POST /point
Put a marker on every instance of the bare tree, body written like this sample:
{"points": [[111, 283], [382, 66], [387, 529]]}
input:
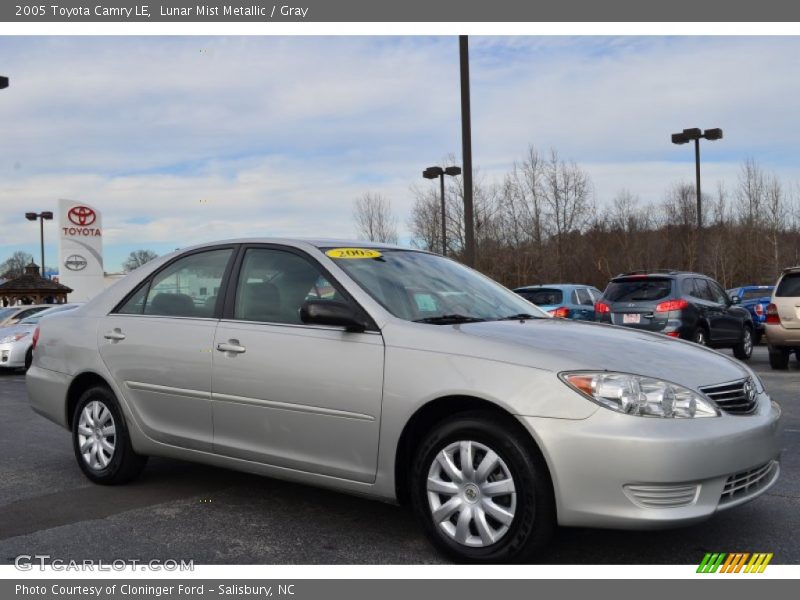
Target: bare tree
{"points": [[137, 258], [374, 218], [14, 266]]}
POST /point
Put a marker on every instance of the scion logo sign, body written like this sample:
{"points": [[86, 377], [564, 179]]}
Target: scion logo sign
{"points": [[75, 262], [83, 217]]}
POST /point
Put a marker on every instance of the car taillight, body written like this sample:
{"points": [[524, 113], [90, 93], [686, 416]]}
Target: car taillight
{"points": [[772, 315], [674, 334], [35, 339], [669, 305], [602, 307], [562, 312], [759, 308]]}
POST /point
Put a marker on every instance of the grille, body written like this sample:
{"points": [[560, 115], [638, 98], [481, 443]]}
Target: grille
{"points": [[747, 483], [661, 496], [736, 398]]}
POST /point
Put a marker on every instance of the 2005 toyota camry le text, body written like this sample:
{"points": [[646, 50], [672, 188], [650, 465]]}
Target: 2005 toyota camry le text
{"points": [[404, 376]]}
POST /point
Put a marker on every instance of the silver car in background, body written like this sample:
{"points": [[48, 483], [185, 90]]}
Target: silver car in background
{"points": [[16, 341], [407, 377]]}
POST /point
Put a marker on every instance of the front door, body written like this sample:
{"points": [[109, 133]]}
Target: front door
{"points": [[298, 396]]}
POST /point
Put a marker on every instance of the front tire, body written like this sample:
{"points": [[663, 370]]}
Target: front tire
{"points": [[101, 441], [482, 491], [744, 349]]}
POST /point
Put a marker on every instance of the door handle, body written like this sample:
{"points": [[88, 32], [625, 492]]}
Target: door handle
{"points": [[115, 336], [231, 346]]}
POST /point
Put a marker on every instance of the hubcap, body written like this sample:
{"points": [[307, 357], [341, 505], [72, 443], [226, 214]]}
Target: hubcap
{"points": [[97, 435], [700, 338], [471, 494], [748, 341]]}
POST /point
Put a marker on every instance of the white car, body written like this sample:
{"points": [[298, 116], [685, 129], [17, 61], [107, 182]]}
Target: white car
{"points": [[16, 341]]}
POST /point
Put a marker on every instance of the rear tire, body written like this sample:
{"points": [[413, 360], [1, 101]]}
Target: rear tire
{"points": [[486, 523], [778, 358], [101, 441], [28, 359], [744, 349]]}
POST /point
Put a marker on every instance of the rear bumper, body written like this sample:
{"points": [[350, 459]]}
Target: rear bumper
{"points": [[781, 337], [619, 471], [47, 393]]}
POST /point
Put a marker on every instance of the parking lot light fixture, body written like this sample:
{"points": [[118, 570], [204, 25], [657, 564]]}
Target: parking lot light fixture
{"points": [[433, 173], [695, 134], [42, 216]]}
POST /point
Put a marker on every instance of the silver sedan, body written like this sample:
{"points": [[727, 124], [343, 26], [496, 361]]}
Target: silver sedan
{"points": [[406, 377]]}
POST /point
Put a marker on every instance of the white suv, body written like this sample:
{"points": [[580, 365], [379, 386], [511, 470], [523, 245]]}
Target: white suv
{"points": [[783, 319]]}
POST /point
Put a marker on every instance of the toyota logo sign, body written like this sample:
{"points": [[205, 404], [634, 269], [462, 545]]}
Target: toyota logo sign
{"points": [[81, 215], [75, 262]]}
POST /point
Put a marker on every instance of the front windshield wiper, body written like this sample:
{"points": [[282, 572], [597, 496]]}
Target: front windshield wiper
{"points": [[449, 319], [519, 317]]}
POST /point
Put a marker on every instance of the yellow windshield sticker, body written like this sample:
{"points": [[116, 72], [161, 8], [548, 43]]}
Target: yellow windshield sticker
{"points": [[353, 253]]}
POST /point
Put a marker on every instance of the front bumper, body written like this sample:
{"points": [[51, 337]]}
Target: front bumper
{"points": [[12, 354], [620, 471]]}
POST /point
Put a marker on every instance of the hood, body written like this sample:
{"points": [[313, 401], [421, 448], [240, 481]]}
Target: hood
{"points": [[566, 345], [14, 329]]}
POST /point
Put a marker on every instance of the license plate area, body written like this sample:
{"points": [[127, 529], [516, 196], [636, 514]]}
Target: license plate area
{"points": [[631, 318]]}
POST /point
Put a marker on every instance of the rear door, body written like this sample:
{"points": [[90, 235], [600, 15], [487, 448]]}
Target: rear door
{"points": [[583, 304], [787, 300], [157, 345], [298, 396]]}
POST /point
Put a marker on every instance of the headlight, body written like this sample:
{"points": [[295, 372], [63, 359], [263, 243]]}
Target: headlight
{"points": [[640, 396], [14, 338]]}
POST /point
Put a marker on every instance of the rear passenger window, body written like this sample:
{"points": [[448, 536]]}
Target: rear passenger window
{"points": [[789, 286], [181, 290], [583, 297]]}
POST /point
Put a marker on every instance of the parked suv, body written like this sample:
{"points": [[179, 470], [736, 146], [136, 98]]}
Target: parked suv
{"points": [[680, 304], [783, 319]]}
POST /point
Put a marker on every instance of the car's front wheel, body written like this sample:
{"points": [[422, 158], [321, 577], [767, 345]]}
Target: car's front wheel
{"points": [[101, 441], [744, 349], [482, 491]]}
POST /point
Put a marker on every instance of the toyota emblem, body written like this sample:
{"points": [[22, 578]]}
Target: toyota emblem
{"points": [[81, 215], [76, 262]]}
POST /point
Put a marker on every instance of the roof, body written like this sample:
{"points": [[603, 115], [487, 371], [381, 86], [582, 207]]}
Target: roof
{"points": [[33, 282], [315, 242], [553, 285]]}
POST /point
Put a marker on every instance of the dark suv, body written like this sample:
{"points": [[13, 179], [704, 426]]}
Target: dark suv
{"points": [[685, 305]]}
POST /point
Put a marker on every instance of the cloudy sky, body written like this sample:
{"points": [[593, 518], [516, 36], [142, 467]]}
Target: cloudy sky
{"points": [[179, 140]]}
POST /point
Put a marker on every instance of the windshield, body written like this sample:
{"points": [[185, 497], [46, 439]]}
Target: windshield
{"points": [[33, 319], [417, 286], [638, 290]]}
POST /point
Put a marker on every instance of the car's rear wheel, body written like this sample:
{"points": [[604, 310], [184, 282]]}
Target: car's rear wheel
{"points": [[28, 359], [778, 358], [744, 349], [101, 441], [482, 491]]}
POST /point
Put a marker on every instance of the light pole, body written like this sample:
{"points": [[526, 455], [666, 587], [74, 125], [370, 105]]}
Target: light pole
{"points": [[433, 173], [42, 216], [466, 152], [686, 136]]}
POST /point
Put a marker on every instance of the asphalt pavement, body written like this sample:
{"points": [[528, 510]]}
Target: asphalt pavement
{"points": [[183, 511]]}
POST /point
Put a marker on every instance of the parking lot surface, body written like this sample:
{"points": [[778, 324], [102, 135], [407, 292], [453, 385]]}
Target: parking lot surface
{"points": [[183, 511]]}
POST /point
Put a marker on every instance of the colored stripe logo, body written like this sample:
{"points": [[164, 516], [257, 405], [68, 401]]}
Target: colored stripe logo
{"points": [[735, 562]]}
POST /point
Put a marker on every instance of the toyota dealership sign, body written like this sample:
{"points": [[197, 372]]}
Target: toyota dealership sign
{"points": [[81, 249]]}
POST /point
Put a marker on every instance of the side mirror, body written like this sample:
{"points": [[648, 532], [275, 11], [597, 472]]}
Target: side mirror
{"points": [[328, 312], [736, 300]]}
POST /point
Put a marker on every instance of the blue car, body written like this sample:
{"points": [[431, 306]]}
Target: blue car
{"points": [[754, 298], [563, 300]]}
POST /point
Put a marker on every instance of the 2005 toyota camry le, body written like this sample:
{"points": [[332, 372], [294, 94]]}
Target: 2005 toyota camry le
{"points": [[403, 376]]}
